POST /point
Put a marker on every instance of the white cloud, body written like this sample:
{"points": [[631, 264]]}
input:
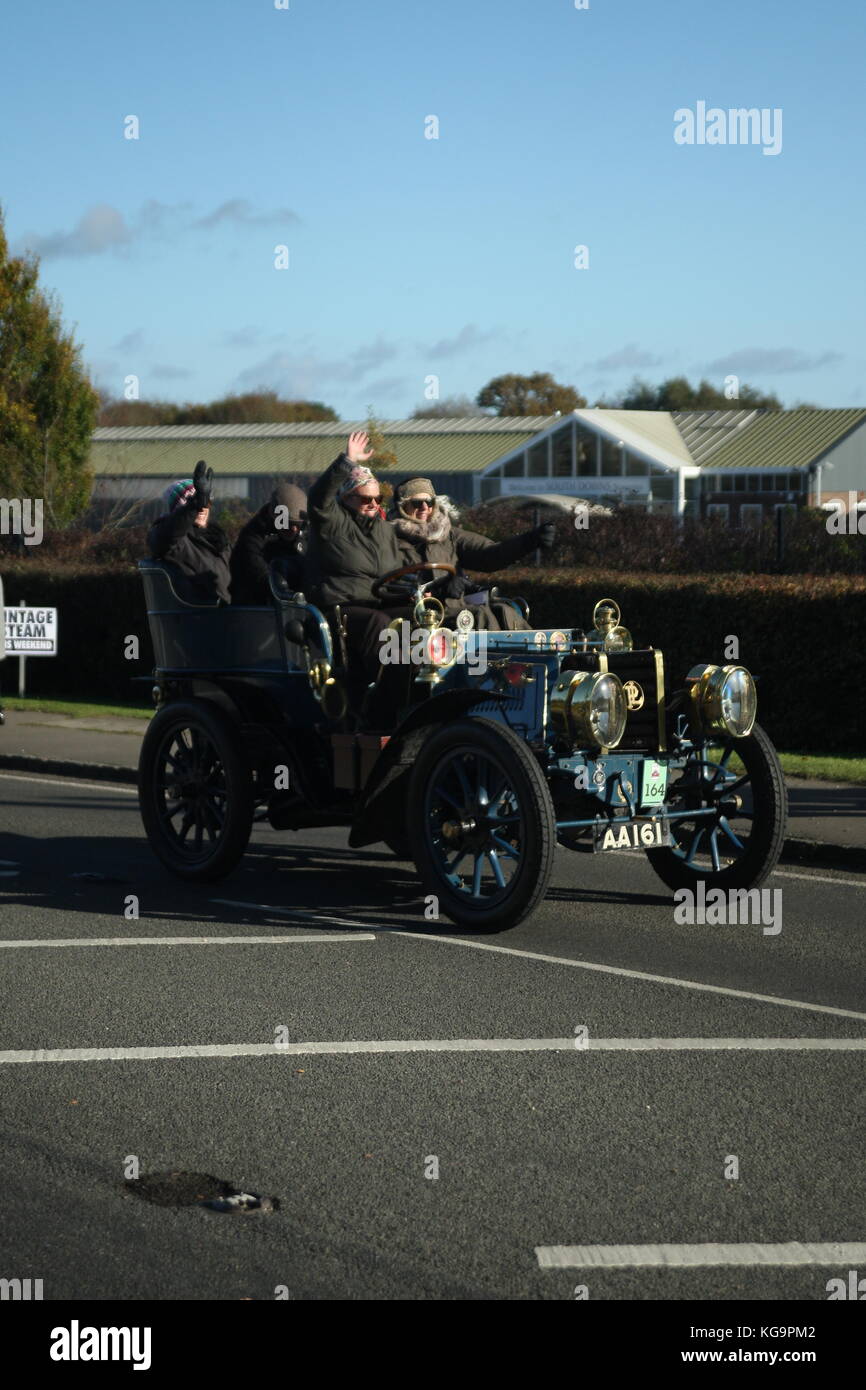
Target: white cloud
{"points": [[470, 336], [628, 357], [104, 227], [771, 360], [239, 212]]}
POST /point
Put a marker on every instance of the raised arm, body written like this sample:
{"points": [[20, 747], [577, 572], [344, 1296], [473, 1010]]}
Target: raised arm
{"points": [[164, 532], [322, 497], [478, 553]]}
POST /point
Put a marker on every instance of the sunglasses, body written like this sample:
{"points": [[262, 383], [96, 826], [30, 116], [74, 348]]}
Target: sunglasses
{"points": [[361, 500], [416, 503]]}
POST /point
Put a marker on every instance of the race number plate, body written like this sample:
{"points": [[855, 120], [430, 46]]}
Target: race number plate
{"points": [[653, 783], [631, 834]]}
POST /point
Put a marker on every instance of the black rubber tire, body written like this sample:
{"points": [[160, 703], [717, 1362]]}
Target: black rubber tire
{"points": [[763, 846], [526, 887], [228, 779]]}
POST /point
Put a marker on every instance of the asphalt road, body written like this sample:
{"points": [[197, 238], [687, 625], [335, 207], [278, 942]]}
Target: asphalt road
{"points": [[551, 1145]]}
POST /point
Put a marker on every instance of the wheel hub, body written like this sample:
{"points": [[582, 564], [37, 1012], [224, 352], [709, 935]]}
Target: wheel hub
{"points": [[455, 830]]}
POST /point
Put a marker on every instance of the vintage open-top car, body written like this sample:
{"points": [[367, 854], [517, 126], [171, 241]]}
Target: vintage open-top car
{"points": [[498, 747]]}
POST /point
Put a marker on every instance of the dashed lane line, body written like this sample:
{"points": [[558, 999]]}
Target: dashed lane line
{"points": [[693, 1256], [421, 1045]]}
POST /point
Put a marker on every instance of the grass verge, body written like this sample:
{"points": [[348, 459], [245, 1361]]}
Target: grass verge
{"points": [[75, 709], [823, 767]]}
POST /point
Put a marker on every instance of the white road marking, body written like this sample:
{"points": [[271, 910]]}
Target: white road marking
{"points": [[9, 863], [186, 940], [782, 873], [405, 1045], [70, 782], [821, 878], [694, 1256], [292, 913], [634, 974], [562, 960]]}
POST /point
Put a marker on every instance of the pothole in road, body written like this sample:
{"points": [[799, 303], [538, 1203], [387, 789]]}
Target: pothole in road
{"points": [[182, 1189]]}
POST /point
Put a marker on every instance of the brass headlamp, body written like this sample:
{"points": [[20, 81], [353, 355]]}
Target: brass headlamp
{"points": [[589, 707], [607, 630], [724, 699]]}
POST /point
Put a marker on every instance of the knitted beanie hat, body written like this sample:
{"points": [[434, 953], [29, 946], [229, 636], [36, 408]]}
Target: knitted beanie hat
{"points": [[293, 498], [178, 494], [357, 476]]}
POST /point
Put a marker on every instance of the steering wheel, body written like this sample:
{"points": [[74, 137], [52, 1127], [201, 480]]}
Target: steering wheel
{"points": [[393, 575]]}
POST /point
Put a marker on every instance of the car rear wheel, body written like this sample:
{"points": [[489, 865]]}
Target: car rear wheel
{"points": [[195, 791], [739, 787], [481, 824]]}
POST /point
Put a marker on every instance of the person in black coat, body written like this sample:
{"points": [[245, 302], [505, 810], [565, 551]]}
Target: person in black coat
{"points": [[351, 546], [275, 535], [190, 541]]}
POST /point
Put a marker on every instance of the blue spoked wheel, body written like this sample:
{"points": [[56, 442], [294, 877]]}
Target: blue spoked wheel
{"points": [[481, 824], [737, 845]]}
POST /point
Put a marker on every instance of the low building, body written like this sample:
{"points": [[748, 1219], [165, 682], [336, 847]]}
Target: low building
{"points": [[738, 465]]}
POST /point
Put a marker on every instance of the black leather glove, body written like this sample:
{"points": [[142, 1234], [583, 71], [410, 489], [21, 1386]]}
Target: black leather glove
{"points": [[454, 586], [544, 536], [203, 480], [450, 586]]}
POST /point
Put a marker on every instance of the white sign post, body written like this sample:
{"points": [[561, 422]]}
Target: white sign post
{"points": [[29, 632]]}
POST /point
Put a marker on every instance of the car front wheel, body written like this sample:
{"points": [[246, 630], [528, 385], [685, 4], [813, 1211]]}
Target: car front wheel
{"points": [[481, 824]]}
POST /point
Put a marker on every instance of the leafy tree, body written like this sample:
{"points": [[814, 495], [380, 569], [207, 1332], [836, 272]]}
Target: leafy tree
{"points": [[48, 405], [383, 457], [538, 394], [449, 408], [677, 393], [253, 408]]}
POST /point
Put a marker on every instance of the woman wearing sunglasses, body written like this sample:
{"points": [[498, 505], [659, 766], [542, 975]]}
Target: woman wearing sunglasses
{"points": [[425, 526], [351, 546]]}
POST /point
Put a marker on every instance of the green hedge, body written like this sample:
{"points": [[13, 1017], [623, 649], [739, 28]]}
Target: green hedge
{"points": [[801, 635]]}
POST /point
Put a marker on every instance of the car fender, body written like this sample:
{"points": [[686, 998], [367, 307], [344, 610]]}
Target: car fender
{"points": [[381, 804]]}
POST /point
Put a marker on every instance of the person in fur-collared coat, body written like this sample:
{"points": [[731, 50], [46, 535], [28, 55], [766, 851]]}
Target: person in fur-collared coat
{"points": [[427, 533]]}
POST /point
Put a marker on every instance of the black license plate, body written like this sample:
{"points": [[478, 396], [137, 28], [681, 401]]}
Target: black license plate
{"points": [[648, 833]]}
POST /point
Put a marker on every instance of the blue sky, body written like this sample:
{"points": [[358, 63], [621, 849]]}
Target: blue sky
{"points": [[412, 257]]}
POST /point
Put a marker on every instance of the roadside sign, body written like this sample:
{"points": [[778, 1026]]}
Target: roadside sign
{"points": [[31, 631], [2, 624]]}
